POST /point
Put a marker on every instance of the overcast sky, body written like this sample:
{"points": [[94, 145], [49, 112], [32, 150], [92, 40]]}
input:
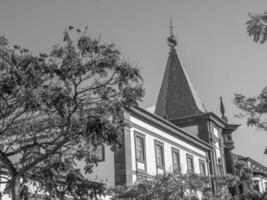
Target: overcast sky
{"points": [[218, 54]]}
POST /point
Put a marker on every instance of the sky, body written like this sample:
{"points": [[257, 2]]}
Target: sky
{"points": [[220, 57]]}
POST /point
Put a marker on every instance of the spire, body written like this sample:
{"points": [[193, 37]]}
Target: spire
{"points": [[177, 97], [223, 117], [171, 27], [171, 40]]}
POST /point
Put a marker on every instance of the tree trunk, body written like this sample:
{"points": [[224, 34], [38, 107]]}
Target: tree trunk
{"points": [[16, 189]]}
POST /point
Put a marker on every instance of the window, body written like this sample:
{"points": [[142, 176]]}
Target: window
{"points": [[159, 154], [220, 166], [190, 163], [216, 132], [202, 167], [176, 160], [140, 149], [99, 153], [96, 153], [256, 185]]}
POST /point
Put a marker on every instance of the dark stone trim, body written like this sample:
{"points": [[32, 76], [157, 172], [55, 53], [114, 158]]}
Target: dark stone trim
{"points": [[123, 161]]}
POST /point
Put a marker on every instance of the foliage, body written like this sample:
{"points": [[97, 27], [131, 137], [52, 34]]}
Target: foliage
{"points": [[254, 109], [174, 186], [245, 175], [243, 172], [57, 108], [257, 27]]}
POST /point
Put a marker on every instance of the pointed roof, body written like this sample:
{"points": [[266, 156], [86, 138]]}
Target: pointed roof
{"points": [[177, 97], [222, 109]]}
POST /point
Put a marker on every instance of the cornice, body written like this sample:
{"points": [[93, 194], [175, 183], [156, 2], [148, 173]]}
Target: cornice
{"points": [[168, 126]]}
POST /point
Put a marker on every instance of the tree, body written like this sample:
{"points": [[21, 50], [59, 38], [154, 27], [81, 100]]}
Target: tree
{"points": [[173, 186], [257, 27], [255, 108], [244, 181], [57, 108]]}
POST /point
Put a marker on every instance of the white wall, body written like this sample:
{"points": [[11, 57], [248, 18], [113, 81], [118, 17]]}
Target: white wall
{"points": [[150, 149], [261, 181], [104, 171]]}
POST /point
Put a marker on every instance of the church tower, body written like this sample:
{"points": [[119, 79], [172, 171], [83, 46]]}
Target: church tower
{"points": [[177, 97], [179, 103]]}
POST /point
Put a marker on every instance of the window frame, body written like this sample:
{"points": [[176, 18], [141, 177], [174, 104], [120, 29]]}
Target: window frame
{"points": [[92, 150], [256, 185], [204, 164], [103, 153], [190, 157], [161, 144], [141, 135], [176, 151]]}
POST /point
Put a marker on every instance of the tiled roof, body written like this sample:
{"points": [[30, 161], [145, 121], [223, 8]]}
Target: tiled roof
{"points": [[255, 163], [177, 97]]}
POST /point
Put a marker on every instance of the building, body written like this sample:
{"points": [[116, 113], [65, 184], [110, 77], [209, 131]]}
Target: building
{"points": [[258, 173], [180, 135]]}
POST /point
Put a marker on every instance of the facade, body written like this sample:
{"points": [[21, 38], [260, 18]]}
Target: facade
{"points": [[153, 146], [180, 135]]}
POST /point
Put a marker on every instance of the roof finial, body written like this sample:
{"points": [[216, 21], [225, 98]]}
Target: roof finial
{"points": [[222, 110], [171, 27], [172, 42]]}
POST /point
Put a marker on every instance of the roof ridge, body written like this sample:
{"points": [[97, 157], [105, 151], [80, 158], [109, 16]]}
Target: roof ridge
{"points": [[193, 88]]}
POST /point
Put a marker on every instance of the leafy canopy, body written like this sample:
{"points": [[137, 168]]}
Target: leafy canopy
{"points": [[255, 108], [257, 27], [57, 108], [173, 186]]}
